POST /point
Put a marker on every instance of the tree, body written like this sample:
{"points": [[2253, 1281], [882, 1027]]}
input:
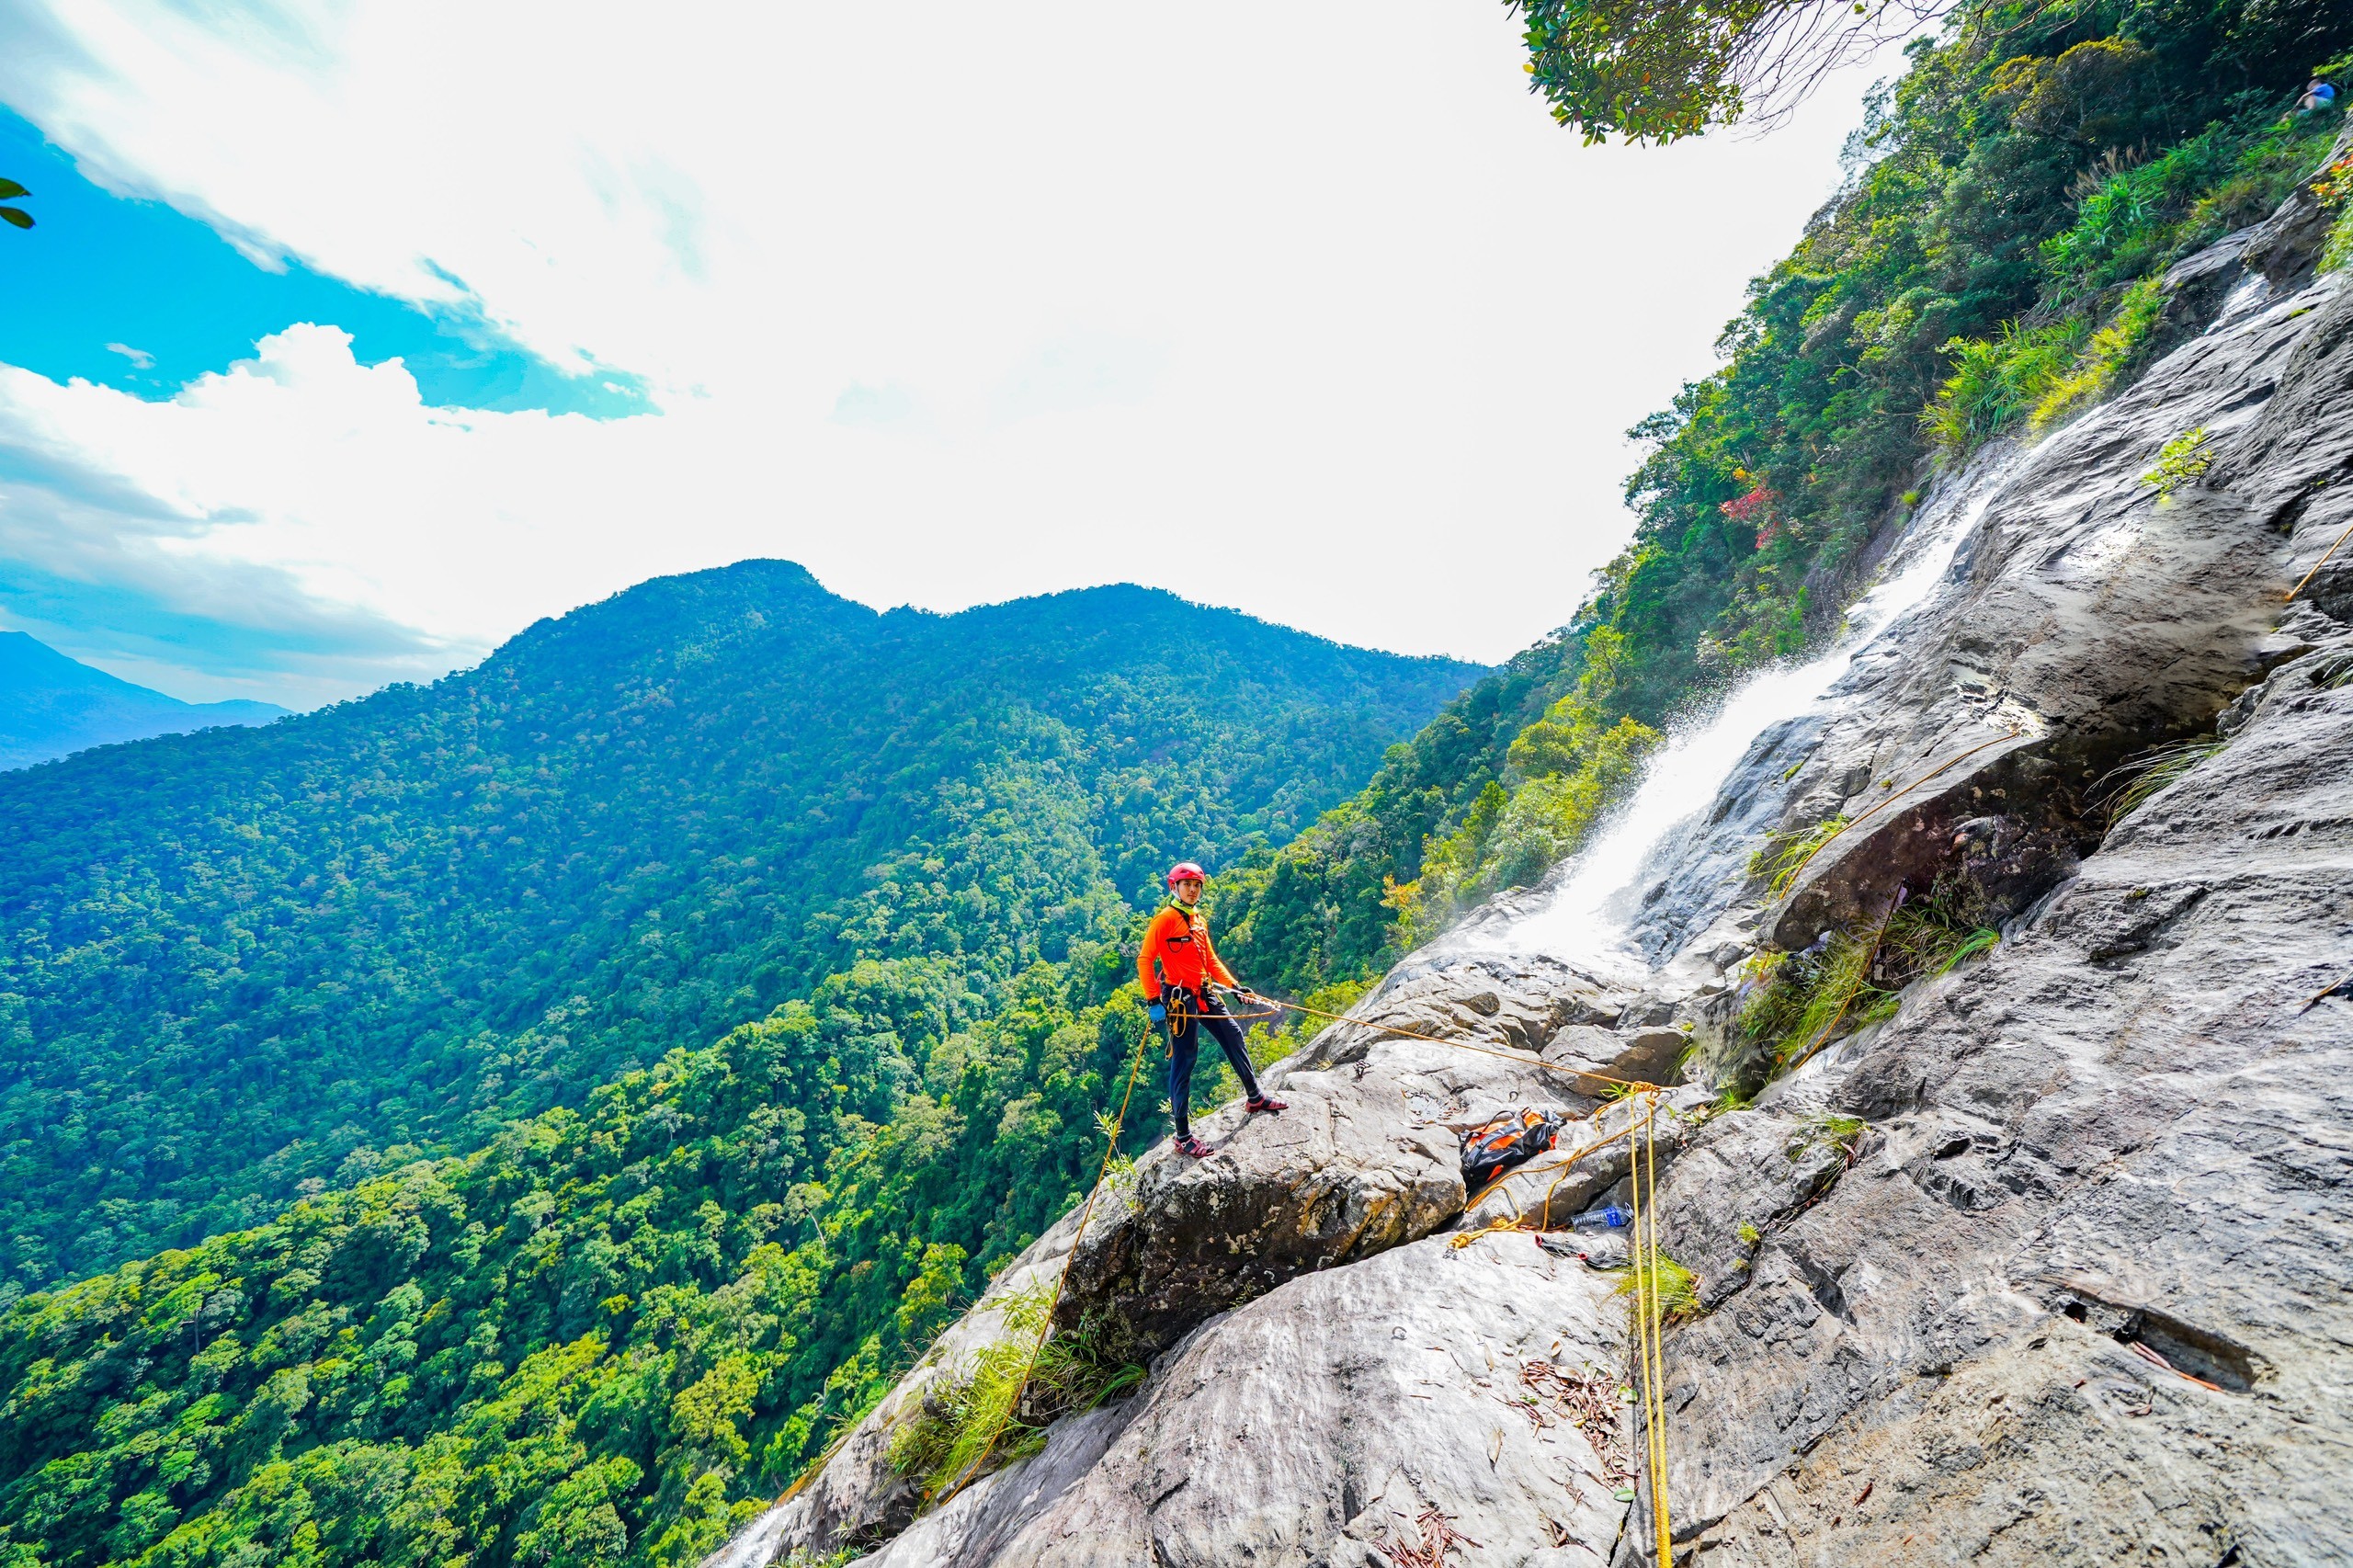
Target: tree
{"points": [[10, 190], [1659, 69]]}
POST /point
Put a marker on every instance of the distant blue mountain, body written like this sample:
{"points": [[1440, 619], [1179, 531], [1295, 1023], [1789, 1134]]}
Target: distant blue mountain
{"points": [[51, 705]]}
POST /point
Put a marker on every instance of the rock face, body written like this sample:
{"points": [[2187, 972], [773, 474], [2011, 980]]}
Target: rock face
{"points": [[2082, 1292], [1319, 1423], [2049, 1266], [2126, 1131]]}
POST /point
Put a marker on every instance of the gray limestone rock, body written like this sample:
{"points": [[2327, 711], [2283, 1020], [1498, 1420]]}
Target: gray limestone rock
{"points": [[1323, 1421], [2081, 1293], [1368, 1157]]}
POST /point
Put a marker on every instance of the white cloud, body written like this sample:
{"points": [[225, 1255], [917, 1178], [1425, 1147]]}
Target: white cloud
{"points": [[138, 357], [1307, 311]]}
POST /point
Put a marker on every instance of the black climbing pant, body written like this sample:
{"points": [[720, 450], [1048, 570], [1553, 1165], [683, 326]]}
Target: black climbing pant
{"points": [[1189, 1015]]}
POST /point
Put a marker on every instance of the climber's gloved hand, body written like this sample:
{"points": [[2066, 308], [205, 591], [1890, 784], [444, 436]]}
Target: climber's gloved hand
{"points": [[1158, 1011]]}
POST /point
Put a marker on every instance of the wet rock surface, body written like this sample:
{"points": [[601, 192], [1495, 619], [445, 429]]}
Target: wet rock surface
{"points": [[2125, 1132]]}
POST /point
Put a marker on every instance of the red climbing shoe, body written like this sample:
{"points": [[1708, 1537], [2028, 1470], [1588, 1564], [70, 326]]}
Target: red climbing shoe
{"points": [[1265, 1103], [1189, 1145]]}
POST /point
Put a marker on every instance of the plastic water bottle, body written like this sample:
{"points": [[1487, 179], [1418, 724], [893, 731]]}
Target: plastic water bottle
{"points": [[1611, 1218]]}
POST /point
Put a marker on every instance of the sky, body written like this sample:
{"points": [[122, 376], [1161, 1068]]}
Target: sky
{"points": [[354, 337]]}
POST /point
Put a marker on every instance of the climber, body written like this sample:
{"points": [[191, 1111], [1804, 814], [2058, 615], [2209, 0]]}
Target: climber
{"points": [[1177, 966], [2318, 96]]}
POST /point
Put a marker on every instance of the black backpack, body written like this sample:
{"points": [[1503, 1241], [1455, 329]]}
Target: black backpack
{"points": [[1500, 1143]]}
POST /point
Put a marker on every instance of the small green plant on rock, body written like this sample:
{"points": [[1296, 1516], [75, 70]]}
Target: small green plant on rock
{"points": [[2129, 786], [2182, 461], [1672, 1290], [1750, 1234], [999, 1404], [1786, 853], [1120, 1169]]}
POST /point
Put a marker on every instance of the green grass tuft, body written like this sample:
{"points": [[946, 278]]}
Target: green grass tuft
{"points": [[1798, 1002], [1674, 1296], [1843, 1130], [1983, 939], [982, 1412], [1785, 853], [2130, 786]]}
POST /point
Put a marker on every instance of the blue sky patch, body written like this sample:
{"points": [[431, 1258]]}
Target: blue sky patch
{"points": [[135, 295]]}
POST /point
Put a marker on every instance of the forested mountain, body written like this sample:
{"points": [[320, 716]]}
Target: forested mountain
{"points": [[50, 706], [236, 962]]}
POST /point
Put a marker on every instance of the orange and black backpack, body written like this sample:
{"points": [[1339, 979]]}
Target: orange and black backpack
{"points": [[1499, 1143]]}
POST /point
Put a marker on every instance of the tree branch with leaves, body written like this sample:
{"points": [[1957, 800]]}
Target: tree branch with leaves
{"points": [[1661, 70]]}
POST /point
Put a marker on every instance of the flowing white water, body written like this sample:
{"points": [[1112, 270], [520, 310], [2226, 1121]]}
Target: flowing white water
{"points": [[1588, 921]]}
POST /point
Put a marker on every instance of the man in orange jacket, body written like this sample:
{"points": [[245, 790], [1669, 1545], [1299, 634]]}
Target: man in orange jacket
{"points": [[1177, 967]]}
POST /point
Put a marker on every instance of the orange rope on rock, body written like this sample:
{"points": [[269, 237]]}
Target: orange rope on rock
{"points": [[1945, 767], [2318, 565]]}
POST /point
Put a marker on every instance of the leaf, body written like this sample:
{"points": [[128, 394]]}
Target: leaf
{"points": [[9, 188], [17, 215]]}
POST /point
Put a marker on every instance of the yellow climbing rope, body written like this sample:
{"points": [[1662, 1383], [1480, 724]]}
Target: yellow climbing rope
{"points": [[1649, 1309]]}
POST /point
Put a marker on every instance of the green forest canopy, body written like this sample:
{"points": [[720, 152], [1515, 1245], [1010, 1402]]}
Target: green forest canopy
{"points": [[236, 962], [621, 1320]]}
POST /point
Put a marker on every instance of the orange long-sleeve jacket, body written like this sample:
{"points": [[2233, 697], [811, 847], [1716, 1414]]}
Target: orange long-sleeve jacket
{"points": [[1177, 950]]}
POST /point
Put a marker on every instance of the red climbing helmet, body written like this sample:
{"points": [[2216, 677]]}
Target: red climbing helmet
{"points": [[1183, 870]]}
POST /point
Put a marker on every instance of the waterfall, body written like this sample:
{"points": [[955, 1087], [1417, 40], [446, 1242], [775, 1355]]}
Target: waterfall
{"points": [[1590, 920]]}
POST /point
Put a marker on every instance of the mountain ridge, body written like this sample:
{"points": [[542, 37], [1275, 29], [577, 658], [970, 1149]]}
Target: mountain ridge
{"points": [[687, 802], [52, 705]]}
